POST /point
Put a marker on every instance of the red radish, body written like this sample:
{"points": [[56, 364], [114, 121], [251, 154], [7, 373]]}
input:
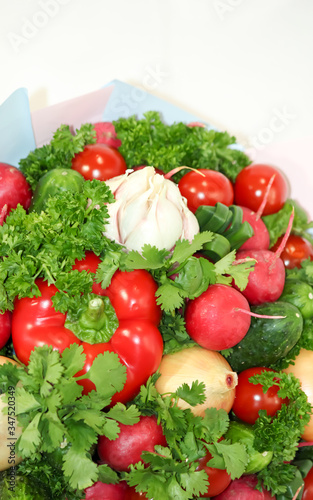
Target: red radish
{"points": [[105, 134], [105, 491], [14, 189], [5, 327], [267, 280], [244, 489], [131, 442], [260, 239], [218, 318]]}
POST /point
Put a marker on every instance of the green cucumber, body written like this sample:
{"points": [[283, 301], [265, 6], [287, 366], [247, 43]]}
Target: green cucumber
{"points": [[300, 294], [54, 182], [267, 340]]}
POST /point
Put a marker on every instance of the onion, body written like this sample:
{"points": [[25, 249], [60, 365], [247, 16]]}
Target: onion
{"points": [[203, 365], [302, 369]]}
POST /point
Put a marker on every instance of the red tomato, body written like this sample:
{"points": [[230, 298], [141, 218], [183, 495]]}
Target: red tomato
{"points": [[250, 397], [99, 161], [206, 189], [14, 189], [297, 249], [308, 486], [219, 479], [251, 184]]}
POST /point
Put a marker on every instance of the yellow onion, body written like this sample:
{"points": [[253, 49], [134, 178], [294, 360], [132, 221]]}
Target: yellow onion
{"points": [[302, 369], [203, 365]]}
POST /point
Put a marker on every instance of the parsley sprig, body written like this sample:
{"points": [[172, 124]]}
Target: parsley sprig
{"points": [[149, 141], [58, 153], [46, 245], [52, 410], [171, 471], [282, 433], [179, 273]]}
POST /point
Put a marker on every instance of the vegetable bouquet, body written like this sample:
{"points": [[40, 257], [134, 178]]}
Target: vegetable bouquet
{"points": [[156, 319]]}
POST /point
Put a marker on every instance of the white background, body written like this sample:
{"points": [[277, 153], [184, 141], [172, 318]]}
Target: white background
{"points": [[241, 65]]}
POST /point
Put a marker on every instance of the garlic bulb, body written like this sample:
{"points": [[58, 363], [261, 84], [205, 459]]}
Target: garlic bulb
{"points": [[149, 209]]}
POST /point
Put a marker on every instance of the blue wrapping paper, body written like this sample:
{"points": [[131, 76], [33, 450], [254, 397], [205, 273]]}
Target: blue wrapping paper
{"points": [[16, 132]]}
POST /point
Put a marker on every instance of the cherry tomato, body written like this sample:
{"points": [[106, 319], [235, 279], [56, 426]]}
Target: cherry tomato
{"points": [[206, 187], [251, 184], [297, 249], [219, 479], [308, 486], [250, 397], [99, 161]]}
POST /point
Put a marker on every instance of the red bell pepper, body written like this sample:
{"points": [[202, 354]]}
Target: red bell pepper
{"points": [[136, 340]]}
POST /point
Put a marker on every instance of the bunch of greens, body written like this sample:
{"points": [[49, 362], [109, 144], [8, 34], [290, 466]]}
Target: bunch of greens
{"points": [[47, 244], [149, 141], [282, 433], [55, 415], [58, 153]]}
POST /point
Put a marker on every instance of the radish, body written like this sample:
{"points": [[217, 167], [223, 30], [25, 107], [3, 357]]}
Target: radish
{"points": [[14, 189], [260, 239], [218, 318], [131, 442], [106, 491], [244, 489], [267, 280]]}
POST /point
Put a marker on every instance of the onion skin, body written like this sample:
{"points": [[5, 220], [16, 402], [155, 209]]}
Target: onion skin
{"points": [[196, 363], [302, 369]]}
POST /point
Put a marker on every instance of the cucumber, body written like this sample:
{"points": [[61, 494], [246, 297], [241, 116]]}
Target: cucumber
{"points": [[54, 182], [300, 294], [267, 340]]}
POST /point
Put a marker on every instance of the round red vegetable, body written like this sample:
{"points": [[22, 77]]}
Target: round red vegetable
{"points": [[215, 319], [297, 249], [132, 440], [261, 238], [250, 398], [105, 491], [14, 189], [244, 488], [219, 479], [99, 161], [250, 188], [5, 327], [136, 340], [206, 187], [308, 486], [132, 294]]}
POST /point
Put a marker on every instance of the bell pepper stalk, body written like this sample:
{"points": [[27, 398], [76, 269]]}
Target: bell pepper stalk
{"points": [[129, 329]]}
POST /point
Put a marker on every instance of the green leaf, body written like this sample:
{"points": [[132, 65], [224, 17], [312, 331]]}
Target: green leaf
{"points": [[107, 363], [124, 415], [80, 470], [194, 394], [30, 439], [73, 359]]}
